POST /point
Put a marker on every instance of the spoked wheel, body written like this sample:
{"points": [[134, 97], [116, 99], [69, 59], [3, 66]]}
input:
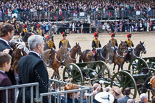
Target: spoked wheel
{"points": [[136, 66], [124, 80], [102, 71], [72, 73]]}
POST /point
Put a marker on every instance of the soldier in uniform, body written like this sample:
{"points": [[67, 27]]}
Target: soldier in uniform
{"points": [[24, 30], [129, 42], [130, 47], [50, 42], [95, 43], [113, 41], [64, 42]]}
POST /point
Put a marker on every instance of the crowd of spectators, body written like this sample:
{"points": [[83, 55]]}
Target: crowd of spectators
{"points": [[64, 9]]}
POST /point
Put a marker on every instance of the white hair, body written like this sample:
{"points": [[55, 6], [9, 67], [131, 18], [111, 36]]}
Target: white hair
{"points": [[143, 96], [34, 40]]}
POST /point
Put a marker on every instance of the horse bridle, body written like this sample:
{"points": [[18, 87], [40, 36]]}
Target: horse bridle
{"points": [[58, 60]]}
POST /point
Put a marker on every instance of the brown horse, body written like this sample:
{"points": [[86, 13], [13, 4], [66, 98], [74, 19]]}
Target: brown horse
{"points": [[120, 55], [61, 58], [86, 56]]}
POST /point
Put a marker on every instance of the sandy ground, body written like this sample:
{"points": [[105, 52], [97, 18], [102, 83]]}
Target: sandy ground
{"points": [[85, 42]]}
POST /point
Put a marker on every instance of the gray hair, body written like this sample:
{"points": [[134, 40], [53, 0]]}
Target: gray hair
{"points": [[34, 40], [143, 96]]}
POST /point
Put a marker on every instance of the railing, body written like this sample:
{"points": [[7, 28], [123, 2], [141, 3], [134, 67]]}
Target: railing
{"points": [[73, 15], [22, 88], [59, 95], [54, 96]]}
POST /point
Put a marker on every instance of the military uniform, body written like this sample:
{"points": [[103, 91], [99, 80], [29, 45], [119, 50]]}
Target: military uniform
{"points": [[130, 45], [51, 44], [96, 43], [113, 41], [64, 42]]}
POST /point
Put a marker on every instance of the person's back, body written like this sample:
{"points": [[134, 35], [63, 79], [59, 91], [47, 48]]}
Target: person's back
{"points": [[126, 97], [31, 67]]}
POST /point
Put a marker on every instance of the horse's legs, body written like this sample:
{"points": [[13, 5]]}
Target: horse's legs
{"points": [[118, 67], [114, 67]]}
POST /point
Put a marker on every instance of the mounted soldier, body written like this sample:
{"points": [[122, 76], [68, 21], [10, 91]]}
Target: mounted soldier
{"points": [[64, 42], [95, 44], [50, 41], [24, 30], [130, 47], [113, 41]]}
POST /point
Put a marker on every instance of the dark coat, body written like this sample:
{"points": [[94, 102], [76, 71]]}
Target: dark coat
{"points": [[10, 74], [32, 69], [123, 99], [5, 81]]}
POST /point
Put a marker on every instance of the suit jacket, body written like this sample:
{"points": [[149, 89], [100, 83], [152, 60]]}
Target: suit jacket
{"points": [[32, 69], [10, 74], [5, 81], [123, 99]]}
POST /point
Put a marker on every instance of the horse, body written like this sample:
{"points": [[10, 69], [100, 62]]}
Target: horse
{"points": [[106, 53], [120, 55], [86, 56], [140, 49], [61, 58]]}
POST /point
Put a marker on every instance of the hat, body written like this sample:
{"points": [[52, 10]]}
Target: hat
{"points": [[47, 37], [24, 26], [117, 92], [38, 25], [64, 34], [112, 35], [128, 35], [104, 97], [96, 34]]}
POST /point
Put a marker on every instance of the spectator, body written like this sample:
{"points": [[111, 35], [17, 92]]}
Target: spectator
{"points": [[126, 97], [32, 69], [5, 63], [69, 95], [7, 32], [143, 98], [116, 92]]}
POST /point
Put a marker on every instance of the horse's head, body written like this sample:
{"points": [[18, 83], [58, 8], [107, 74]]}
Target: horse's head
{"points": [[123, 47], [141, 47], [77, 49]]}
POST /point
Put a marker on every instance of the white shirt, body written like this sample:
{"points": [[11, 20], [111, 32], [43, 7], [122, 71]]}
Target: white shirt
{"points": [[35, 53]]}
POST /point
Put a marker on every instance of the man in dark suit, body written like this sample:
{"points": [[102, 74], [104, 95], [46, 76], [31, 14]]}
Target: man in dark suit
{"points": [[31, 67], [5, 63], [7, 32], [126, 97]]}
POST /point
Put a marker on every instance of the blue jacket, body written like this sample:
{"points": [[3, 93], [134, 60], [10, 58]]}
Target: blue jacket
{"points": [[123, 99]]}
